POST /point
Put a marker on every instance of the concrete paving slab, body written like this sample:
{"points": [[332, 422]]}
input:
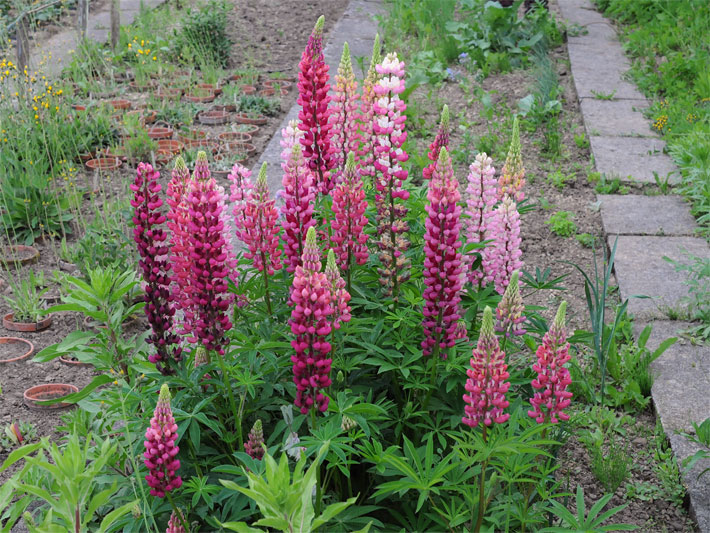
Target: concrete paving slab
{"points": [[580, 12], [615, 117], [682, 379], [641, 271], [593, 34], [601, 72], [632, 158], [646, 215]]}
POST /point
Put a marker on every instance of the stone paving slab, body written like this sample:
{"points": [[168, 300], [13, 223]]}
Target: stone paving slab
{"points": [[615, 118], [645, 215], [641, 271], [632, 158], [592, 34], [682, 379], [580, 12], [601, 72]]}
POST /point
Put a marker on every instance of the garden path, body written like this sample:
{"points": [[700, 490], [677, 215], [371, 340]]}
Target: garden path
{"points": [[648, 229], [56, 51]]}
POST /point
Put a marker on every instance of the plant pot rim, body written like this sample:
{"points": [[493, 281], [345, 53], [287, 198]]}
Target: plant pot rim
{"points": [[98, 163], [242, 118], [71, 362], [31, 395], [40, 325], [235, 136], [17, 340], [5, 258]]}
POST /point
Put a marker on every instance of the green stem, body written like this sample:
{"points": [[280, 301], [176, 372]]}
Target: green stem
{"points": [[267, 299], [319, 488], [482, 489], [178, 513], [232, 403]]}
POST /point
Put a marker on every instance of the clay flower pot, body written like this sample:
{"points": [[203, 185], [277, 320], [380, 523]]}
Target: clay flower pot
{"points": [[160, 132], [271, 91], [186, 136], [170, 145], [204, 144], [210, 87], [24, 349], [281, 83], [104, 163], [26, 327], [238, 148], [234, 136], [87, 156], [48, 391], [147, 116], [18, 254], [200, 96], [72, 362], [229, 108], [242, 118], [213, 118], [78, 107], [120, 105], [247, 89]]}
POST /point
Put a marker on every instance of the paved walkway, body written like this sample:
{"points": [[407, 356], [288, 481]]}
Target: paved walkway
{"points": [[648, 228], [57, 50]]}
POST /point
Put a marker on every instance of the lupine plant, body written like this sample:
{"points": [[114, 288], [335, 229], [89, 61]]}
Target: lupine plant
{"points": [[412, 411]]}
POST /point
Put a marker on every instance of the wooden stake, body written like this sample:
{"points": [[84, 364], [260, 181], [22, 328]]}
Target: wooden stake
{"points": [[115, 23], [82, 18], [23, 46]]}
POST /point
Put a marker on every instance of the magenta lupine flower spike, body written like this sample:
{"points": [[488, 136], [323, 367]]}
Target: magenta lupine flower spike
{"points": [[298, 195], [178, 224], [509, 312], [504, 256], [150, 239], [260, 228], [388, 126], [440, 141], [348, 225], [481, 197], [160, 448], [443, 264], [314, 115], [253, 445], [175, 523], [486, 384], [552, 396], [346, 113], [513, 178], [366, 154], [241, 186], [310, 323], [211, 261], [339, 296]]}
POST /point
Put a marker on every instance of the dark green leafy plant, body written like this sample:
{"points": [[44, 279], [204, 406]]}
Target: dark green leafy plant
{"points": [[584, 521]]}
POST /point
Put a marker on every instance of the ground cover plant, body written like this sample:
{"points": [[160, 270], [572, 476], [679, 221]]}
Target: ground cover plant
{"points": [[366, 358]]}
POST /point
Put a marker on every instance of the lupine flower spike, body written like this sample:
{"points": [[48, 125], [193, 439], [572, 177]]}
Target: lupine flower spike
{"points": [[442, 259], [160, 448], [486, 384], [509, 313], [388, 127], [260, 232], [175, 524], [513, 178], [339, 296], [298, 195], [346, 113], [551, 396], [212, 264], [241, 186], [481, 197], [310, 323], [348, 224], [366, 154], [150, 238], [253, 445], [201, 358], [503, 257], [440, 141], [178, 224], [314, 115]]}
